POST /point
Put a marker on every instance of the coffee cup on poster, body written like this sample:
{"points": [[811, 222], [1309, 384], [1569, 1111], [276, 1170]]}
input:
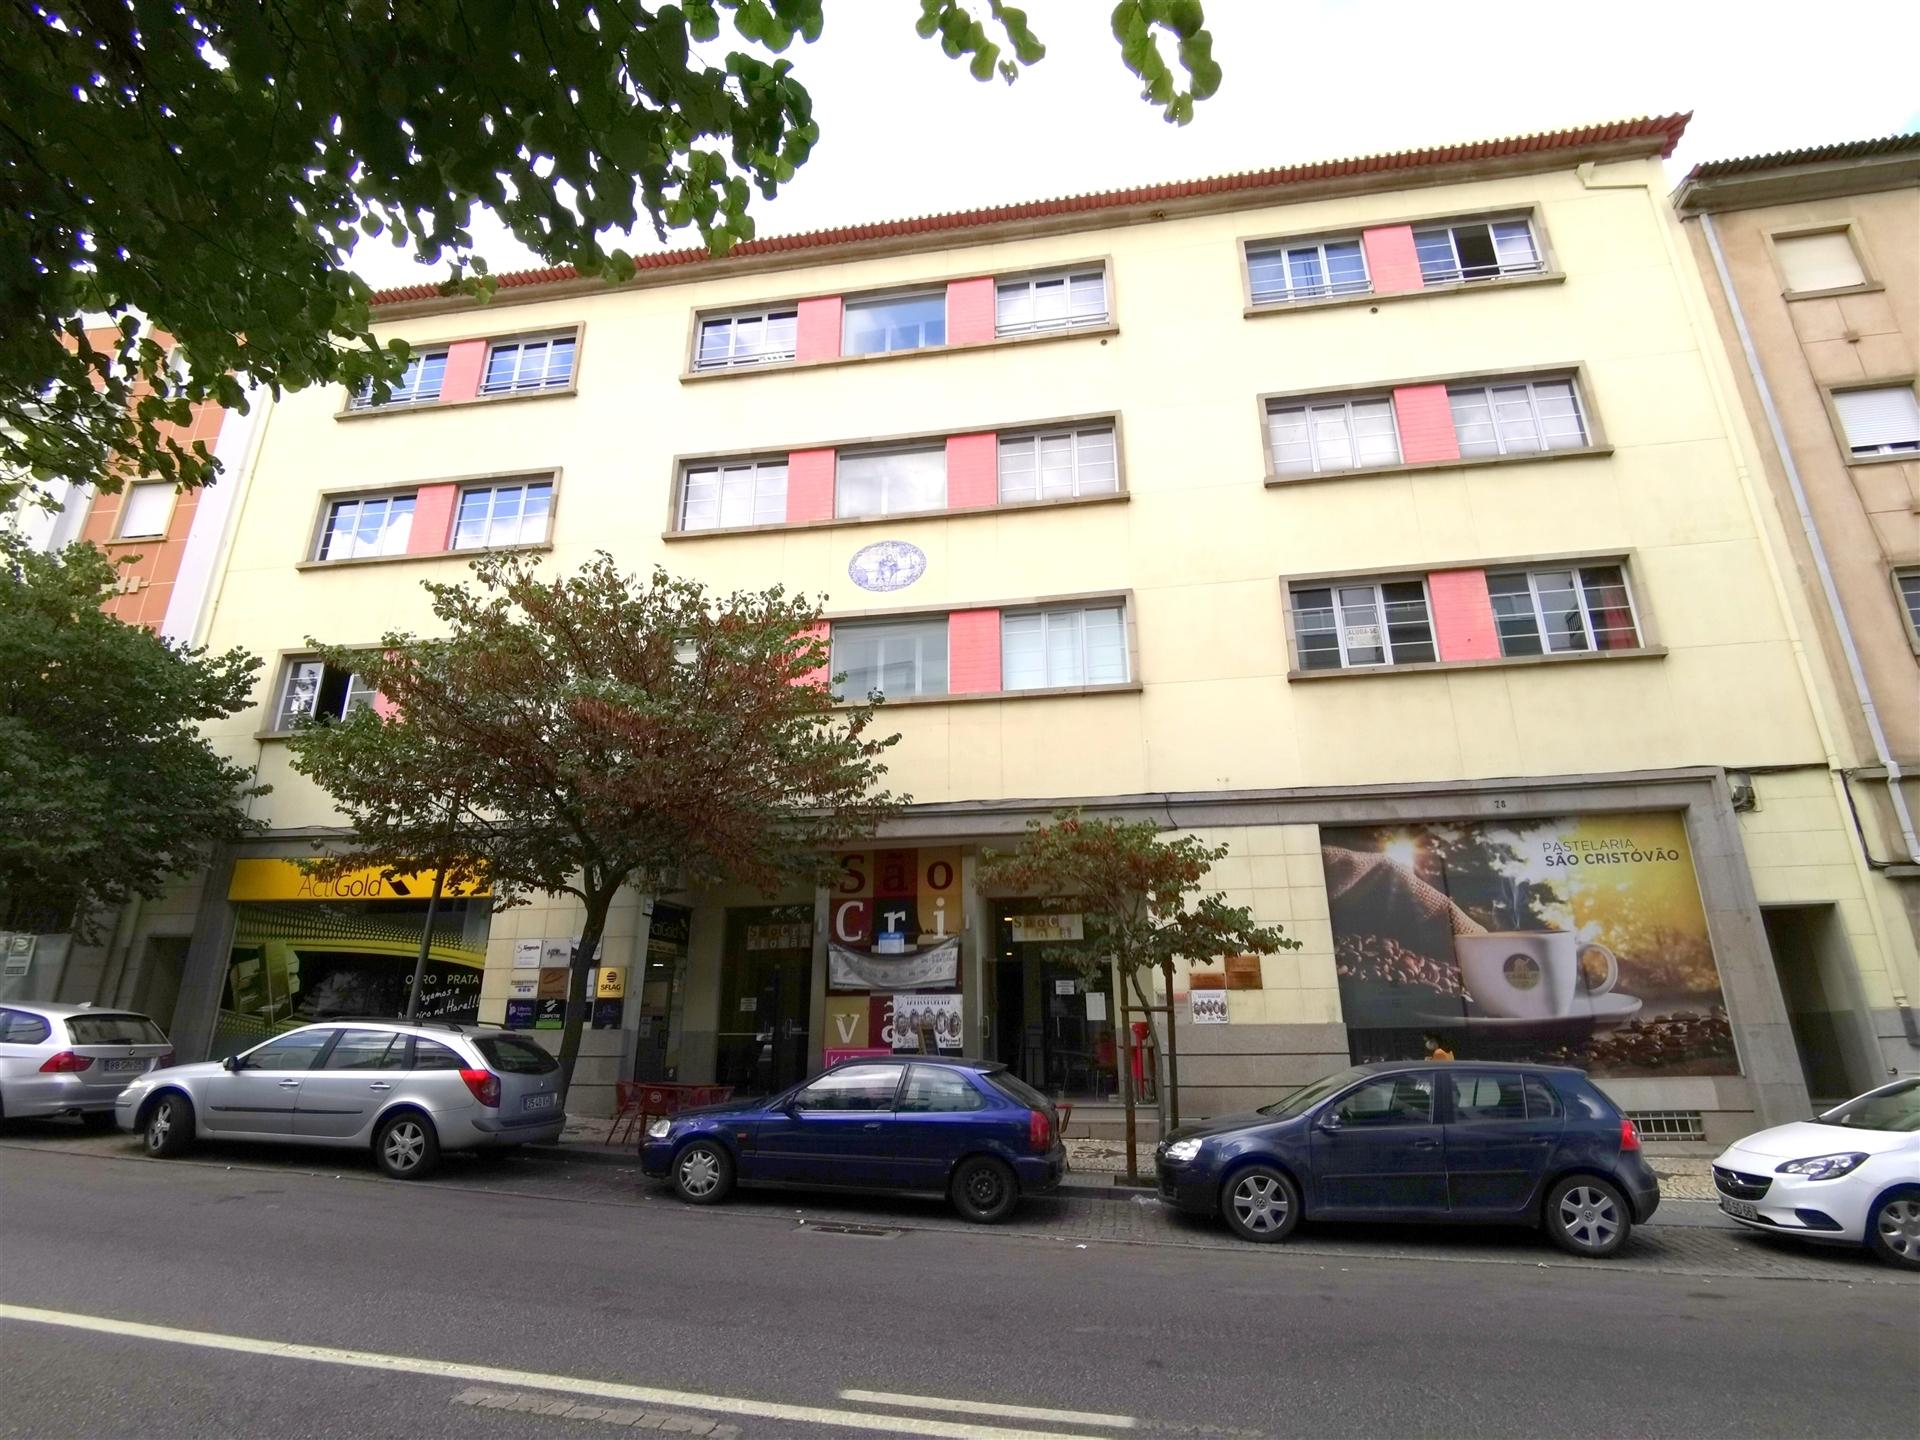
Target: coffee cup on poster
{"points": [[1530, 974]]}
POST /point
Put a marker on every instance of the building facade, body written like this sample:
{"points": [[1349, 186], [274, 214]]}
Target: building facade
{"points": [[1392, 520], [1812, 264]]}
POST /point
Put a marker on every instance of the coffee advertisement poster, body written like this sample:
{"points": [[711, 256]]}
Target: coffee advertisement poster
{"points": [[1575, 941]]}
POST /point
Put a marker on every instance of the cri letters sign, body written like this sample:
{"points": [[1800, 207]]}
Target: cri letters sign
{"points": [[893, 922]]}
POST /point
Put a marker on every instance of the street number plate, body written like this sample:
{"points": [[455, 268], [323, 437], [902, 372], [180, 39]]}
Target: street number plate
{"points": [[537, 1102], [1740, 1209], [116, 1066]]}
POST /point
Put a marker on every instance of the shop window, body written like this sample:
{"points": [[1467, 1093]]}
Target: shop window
{"points": [[1457, 254], [1314, 270], [1342, 627], [758, 337], [895, 658], [419, 384], [1558, 611], [359, 529], [1050, 302], [492, 517], [1518, 418], [521, 366], [1058, 464], [901, 322], [1824, 260], [1045, 649], [145, 510], [314, 692], [1884, 420], [1331, 435], [725, 496], [890, 482]]}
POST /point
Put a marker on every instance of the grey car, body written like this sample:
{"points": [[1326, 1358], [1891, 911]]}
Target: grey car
{"points": [[405, 1091], [73, 1059]]}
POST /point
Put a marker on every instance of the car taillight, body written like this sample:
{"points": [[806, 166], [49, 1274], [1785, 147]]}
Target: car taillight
{"points": [[65, 1063], [484, 1084], [166, 1059], [1629, 1137], [1039, 1132]]}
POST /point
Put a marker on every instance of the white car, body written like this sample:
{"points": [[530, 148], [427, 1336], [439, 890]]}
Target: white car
{"points": [[1849, 1177]]}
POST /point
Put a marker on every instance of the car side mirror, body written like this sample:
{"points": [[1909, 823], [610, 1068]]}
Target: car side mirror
{"points": [[1330, 1122], [233, 1063]]}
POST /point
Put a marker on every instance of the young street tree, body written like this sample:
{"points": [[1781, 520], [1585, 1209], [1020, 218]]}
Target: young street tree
{"points": [[573, 735], [210, 167], [107, 786], [1139, 896]]}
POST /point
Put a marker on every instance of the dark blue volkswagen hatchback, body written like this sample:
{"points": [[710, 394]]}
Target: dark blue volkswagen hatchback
{"points": [[966, 1129], [1422, 1141]]}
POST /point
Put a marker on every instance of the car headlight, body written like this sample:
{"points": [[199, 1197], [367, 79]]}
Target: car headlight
{"points": [[1822, 1167], [659, 1129], [1181, 1151]]}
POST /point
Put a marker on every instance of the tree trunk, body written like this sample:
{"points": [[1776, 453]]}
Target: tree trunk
{"points": [[1173, 1053], [426, 944], [1123, 1057], [577, 1001]]}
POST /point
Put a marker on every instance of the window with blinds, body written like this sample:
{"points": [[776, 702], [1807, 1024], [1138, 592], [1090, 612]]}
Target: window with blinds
{"points": [[1050, 302], [745, 492], [1331, 435], [1517, 418], [1884, 420], [1071, 645], [1058, 465], [1825, 260], [894, 658]]}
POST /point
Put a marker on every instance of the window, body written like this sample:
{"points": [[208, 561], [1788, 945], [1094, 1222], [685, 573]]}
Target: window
{"points": [[747, 492], [1542, 1103], [891, 482], [1881, 421], [1558, 611], [145, 510], [1487, 1097], [762, 337], [432, 1055], [897, 658], [857, 1087], [1521, 418], [357, 529], [1058, 464], [368, 1050], [1043, 649], [419, 383], [1340, 627], [1450, 254], [112, 1029], [1049, 302], [512, 1055], [500, 515], [1330, 436], [1307, 272], [518, 366], [933, 1092], [1392, 1100], [317, 691], [17, 1027], [1907, 582], [297, 1051], [905, 322], [1822, 261]]}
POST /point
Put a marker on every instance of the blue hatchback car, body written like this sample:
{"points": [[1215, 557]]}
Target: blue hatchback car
{"points": [[1422, 1141], [966, 1129]]}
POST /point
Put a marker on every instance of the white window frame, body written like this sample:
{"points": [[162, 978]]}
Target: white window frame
{"points": [[1069, 319], [1052, 615], [760, 477], [1532, 384], [1577, 569], [493, 492], [335, 503], [886, 505], [865, 303], [1380, 621], [521, 346], [1289, 293], [120, 530], [398, 394], [1502, 270], [1906, 590], [1079, 438], [837, 636], [1317, 465], [357, 696], [736, 358], [1906, 445]]}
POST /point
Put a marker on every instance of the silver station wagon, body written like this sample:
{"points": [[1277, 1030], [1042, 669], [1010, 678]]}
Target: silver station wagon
{"points": [[405, 1091], [73, 1059]]}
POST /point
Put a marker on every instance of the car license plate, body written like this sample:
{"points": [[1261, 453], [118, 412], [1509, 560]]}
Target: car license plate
{"points": [[537, 1102], [1740, 1209], [115, 1067]]}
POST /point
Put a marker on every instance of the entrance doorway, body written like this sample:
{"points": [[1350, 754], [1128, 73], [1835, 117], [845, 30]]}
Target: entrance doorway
{"points": [[1824, 1005], [766, 998], [1049, 1023]]}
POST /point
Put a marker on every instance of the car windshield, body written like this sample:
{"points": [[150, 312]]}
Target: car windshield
{"points": [[1896, 1108], [114, 1030], [1307, 1096]]}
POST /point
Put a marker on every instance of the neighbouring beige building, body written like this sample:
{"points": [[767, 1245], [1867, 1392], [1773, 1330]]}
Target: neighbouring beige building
{"points": [[1812, 265], [1394, 520]]}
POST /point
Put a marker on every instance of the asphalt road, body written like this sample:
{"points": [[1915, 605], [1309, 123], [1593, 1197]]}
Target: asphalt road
{"points": [[145, 1298]]}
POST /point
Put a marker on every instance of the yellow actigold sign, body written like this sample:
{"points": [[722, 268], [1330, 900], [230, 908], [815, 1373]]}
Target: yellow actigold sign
{"points": [[285, 880]]}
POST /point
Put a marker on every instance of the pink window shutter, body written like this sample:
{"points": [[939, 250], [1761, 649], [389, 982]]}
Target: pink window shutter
{"points": [[1463, 623], [973, 652], [1393, 265]]}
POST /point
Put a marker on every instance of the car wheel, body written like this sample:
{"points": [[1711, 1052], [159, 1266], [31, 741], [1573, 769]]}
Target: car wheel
{"points": [[703, 1173], [984, 1190], [406, 1147], [1260, 1203], [1588, 1216], [169, 1128], [1893, 1232]]}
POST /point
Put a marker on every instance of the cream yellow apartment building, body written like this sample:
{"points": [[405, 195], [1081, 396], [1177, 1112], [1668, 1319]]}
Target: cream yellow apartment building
{"points": [[1393, 520]]}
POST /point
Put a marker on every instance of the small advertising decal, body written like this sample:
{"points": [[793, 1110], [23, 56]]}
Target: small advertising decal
{"points": [[19, 950], [1209, 1007], [926, 1024]]}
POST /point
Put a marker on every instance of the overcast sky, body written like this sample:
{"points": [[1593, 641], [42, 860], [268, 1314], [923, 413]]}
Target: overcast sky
{"points": [[906, 131]]}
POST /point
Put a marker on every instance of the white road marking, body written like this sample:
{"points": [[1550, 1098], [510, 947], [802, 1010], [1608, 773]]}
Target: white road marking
{"points": [[987, 1407], [528, 1379]]}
